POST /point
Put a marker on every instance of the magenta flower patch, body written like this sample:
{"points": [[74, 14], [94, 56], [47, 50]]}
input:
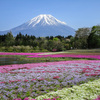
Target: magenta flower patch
{"points": [[31, 80]]}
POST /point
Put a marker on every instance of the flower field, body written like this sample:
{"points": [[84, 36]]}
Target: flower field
{"points": [[44, 55], [87, 91], [33, 80], [66, 55], [62, 80]]}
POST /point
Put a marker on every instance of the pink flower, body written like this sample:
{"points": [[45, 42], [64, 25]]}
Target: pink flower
{"points": [[41, 79], [56, 77], [33, 79], [17, 99], [25, 80], [98, 98], [26, 98]]}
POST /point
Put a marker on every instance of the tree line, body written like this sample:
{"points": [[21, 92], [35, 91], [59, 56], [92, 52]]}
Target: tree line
{"points": [[84, 38]]}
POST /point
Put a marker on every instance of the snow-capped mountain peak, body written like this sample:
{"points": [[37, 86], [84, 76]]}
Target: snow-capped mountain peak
{"points": [[44, 19], [41, 26]]}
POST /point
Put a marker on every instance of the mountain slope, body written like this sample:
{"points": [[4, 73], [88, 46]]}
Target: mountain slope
{"points": [[43, 25]]}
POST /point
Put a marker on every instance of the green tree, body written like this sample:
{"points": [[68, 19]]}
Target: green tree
{"points": [[81, 37], [60, 37], [9, 39], [19, 39], [55, 44], [94, 37], [2, 40]]}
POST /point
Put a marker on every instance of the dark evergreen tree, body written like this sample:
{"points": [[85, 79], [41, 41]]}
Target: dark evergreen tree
{"points": [[9, 39]]}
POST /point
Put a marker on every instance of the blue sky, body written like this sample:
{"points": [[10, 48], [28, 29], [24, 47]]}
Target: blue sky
{"points": [[76, 13]]}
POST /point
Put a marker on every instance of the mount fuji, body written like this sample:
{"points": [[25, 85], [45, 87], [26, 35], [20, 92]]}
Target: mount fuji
{"points": [[41, 26]]}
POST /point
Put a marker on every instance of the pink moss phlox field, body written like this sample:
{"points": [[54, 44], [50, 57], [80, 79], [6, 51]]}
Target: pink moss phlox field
{"points": [[40, 55], [34, 77], [7, 53], [6, 68], [66, 55], [31, 79], [88, 67]]}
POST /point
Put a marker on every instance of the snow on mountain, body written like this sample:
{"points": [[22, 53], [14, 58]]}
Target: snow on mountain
{"points": [[44, 20], [43, 25]]}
